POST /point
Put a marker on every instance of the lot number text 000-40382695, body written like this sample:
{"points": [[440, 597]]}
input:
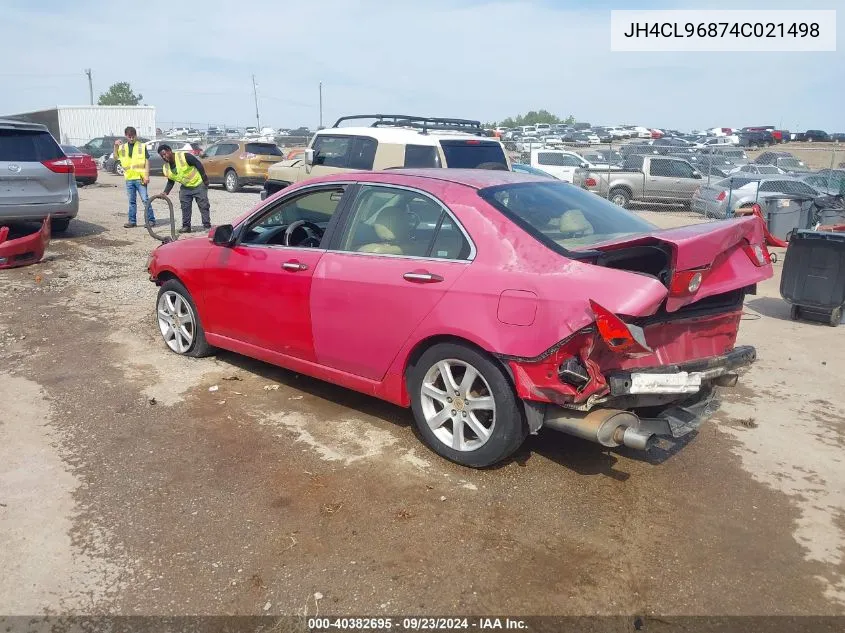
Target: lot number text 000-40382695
{"points": [[723, 31]]}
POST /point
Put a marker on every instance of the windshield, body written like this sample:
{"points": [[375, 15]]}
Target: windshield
{"points": [[563, 216], [792, 163]]}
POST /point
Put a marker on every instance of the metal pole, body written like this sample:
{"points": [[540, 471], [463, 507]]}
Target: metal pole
{"points": [[90, 86], [321, 105], [255, 94]]}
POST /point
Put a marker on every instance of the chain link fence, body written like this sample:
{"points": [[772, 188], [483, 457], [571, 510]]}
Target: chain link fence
{"points": [[703, 183]]}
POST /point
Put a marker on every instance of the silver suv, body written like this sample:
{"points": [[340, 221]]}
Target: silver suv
{"points": [[36, 178]]}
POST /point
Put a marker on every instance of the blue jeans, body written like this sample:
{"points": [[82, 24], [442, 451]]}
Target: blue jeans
{"points": [[134, 187]]}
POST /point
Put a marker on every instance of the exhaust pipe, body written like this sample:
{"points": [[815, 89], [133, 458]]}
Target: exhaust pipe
{"points": [[608, 427]]}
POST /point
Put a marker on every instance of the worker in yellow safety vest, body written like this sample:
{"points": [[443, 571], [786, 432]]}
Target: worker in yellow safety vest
{"points": [[187, 170], [135, 160]]}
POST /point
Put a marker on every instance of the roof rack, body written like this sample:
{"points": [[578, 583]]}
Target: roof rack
{"points": [[417, 122]]}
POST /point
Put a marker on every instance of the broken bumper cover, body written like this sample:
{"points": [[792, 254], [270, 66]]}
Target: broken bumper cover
{"points": [[682, 378], [25, 250]]}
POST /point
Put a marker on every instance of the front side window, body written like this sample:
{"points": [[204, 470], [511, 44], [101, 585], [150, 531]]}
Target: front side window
{"points": [[315, 208], [390, 221]]}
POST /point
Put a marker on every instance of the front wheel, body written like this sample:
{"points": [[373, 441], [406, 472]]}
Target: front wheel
{"points": [[179, 321], [118, 169], [836, 317], [231, 181], [464, 406]]}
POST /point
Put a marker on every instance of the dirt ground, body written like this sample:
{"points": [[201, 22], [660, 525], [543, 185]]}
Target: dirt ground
{"points": [[133, 481]]}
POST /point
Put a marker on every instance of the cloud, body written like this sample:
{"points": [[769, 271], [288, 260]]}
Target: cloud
{"points": [[478, 59]]}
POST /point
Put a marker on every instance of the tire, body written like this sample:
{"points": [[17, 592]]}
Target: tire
{"points": [[503, 419], [620, 197], [231, 181], [59, 225], [835, 317], [174, 300], [794, 313], [118, 169]]}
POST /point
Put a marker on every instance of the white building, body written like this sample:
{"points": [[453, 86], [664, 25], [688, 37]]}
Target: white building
{"points": [[76, 125]]}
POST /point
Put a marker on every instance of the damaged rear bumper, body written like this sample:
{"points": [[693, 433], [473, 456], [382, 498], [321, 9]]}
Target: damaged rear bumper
{"points": [[668, 401], [25, 250]]}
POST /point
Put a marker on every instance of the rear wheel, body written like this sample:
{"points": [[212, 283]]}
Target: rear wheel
{"points": [[59, 225], [619, 197], [231, 181], [465, 406], [836, 317], [118, 169]]}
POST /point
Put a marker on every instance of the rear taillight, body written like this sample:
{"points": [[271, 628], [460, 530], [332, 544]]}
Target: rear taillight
{"points": [[686, 282], [722, 195], [59, 165], [590, 182], [758, 254], [619, 336], [247, 156]]}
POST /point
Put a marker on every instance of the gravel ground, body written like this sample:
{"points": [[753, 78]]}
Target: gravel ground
{"points": [[134, 481]]}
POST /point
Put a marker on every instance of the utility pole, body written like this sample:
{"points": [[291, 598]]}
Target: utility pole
{"points": [[90, 86], [255, 94], [321, 105]]}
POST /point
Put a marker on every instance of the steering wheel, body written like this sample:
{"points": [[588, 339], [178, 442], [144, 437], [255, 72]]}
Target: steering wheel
{"points": [[313, 234]]}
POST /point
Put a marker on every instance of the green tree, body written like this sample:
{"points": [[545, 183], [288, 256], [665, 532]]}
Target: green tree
{"points": [[120, 94], [533, 118]]}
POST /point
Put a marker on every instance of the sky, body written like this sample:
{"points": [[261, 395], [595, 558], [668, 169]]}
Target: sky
{"points": [[474, 59]]}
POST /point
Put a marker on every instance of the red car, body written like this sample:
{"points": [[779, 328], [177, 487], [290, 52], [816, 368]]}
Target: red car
{"points": [[83, 165], [490, 302]]}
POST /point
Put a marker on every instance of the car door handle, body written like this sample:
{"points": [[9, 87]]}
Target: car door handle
{"points": [[422, 278], [294, 266]]}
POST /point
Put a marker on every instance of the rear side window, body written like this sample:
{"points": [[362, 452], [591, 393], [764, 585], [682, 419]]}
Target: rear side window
{"points": [[28, 146], [226, 149], [349, 152], [263, 149], [469, 154], [558, 160], [421, 156]]}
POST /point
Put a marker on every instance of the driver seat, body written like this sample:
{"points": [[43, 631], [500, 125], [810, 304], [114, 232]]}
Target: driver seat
{"points": [[393, 230], [573, 221]]}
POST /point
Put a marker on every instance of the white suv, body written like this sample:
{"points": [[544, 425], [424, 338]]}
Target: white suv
{"points": [[392, 141]]}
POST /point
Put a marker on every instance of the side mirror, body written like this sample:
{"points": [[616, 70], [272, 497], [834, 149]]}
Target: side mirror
{"points": [[203, 155], [696, 174], [309, 157], [585, 165], [222, 235]]}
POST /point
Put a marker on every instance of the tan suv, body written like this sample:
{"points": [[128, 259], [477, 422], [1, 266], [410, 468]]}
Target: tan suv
{"points": [[390, 142], [234, 163]]}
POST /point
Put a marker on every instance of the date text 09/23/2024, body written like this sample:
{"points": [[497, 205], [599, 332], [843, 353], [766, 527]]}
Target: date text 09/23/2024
{"points": [[317, 624]]}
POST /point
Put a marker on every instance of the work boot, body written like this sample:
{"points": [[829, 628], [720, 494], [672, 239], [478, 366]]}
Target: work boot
{"points": [[185, 229], [129, 225], [206, 226]]}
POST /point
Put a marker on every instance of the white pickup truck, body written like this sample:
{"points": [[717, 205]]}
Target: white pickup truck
{"points": [[562, 164]]}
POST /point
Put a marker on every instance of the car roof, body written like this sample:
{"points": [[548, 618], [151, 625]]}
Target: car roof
{"points": [[475, 178], [12, 124]]}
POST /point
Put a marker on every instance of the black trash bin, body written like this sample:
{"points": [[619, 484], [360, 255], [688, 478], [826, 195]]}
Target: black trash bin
{"points": [[827, 211], [813, 278]]}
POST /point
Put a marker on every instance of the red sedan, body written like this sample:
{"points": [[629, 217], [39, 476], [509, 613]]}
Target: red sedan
{"points": [[83, 165], [491, 303]]}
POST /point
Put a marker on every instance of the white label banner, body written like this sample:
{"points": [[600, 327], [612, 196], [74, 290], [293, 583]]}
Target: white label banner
{"points": [[723, 31]]}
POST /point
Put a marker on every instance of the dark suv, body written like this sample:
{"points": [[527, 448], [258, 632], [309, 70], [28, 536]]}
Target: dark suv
{"points": [[756, 138], [36, 178]]}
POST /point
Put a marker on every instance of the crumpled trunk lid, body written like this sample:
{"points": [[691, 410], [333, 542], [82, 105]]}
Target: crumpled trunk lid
{"points": [[717, 248]]}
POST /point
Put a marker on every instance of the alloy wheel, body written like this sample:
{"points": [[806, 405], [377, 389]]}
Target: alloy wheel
{"points": [[176, 321], [458, 405]]}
